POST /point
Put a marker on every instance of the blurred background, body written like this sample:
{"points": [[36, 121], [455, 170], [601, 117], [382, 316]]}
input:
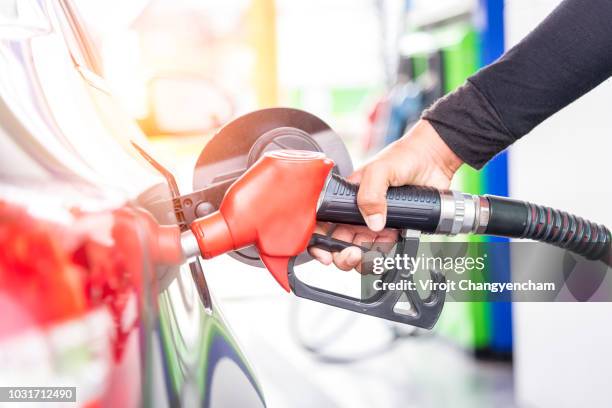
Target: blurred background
{"points": [[183, 68]]}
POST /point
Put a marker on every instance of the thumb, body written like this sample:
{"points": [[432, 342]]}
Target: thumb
{"points": [[371, 197]]}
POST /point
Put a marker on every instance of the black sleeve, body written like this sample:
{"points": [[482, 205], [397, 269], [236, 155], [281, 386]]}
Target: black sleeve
{"points": [[566, 56]]}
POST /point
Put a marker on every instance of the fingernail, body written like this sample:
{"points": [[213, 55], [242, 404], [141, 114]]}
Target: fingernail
{"points": [[376, 222], [353, 256], [325, 258]]}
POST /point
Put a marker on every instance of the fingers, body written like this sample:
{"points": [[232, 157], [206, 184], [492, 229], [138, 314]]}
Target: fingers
{"points": [[387, 235], [385, 240], [371, 197], [364, 239], [350, 257], [321, 255]]}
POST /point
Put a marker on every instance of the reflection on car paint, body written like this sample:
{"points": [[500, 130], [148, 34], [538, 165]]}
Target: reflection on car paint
{"points": [[59, 280], [79, 284], [212, 339]]}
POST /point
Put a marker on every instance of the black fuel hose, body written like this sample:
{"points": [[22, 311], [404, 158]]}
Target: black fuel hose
{"points": [[449, 212], [520, 219]]}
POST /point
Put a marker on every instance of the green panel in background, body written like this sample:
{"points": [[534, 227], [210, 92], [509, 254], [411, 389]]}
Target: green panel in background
{"points": [[348, 101], [465, 323], [295, 98], [344, 102], [419, 64], [342, 107], [461, 58]]}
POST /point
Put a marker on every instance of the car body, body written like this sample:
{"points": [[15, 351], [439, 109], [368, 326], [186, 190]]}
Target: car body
{"points": [[87, 302]]}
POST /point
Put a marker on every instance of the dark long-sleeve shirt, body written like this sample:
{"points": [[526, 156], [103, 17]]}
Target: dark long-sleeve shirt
{"points": [[566, 56]]}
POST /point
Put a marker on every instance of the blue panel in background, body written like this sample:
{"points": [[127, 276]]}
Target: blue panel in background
{"points": [[496, 182], [491, 31]]}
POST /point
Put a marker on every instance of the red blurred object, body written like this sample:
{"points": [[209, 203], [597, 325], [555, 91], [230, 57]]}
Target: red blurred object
{"points": [[56, 273], [163, 241], [378, 117], [34, 267], [273, 206]]}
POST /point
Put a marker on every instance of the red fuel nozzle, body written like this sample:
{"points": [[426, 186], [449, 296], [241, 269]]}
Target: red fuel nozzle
{"points": [[272, 206]]}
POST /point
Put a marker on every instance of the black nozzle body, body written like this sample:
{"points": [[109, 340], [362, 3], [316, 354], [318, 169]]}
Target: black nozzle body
{"points": [[408, 207]]}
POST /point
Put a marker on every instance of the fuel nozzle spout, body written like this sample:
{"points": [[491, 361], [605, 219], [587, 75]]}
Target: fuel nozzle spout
{"points": [[212, 235], [272, 206]]}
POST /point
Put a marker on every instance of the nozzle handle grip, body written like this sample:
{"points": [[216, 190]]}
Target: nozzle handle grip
{"points": [[408, 207]]}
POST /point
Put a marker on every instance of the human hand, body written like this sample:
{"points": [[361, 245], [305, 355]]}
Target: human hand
{"points": [[419, 158]]}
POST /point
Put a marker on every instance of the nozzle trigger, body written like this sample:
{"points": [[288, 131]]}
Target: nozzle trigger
{"points": [[331, 244], [421, 313]]}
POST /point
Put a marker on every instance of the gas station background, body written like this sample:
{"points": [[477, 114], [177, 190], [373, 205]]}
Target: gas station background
{"points": [[339, 59]]}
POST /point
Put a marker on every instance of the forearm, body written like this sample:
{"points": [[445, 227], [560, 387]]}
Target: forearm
{"points": [[567, 55]]}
